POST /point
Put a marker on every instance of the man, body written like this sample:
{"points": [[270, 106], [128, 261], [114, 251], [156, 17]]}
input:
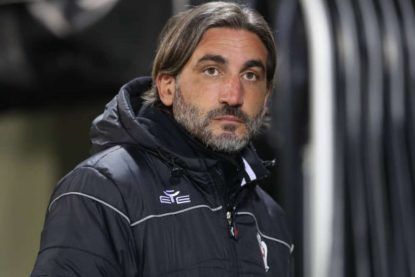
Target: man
{"points": [[173, 187]]}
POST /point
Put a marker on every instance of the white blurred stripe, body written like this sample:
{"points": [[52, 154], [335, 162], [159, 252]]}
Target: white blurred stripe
{"points": [[319, 190]]}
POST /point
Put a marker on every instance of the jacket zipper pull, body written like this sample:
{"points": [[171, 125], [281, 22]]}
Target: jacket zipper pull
{"points": [[233, 230]]}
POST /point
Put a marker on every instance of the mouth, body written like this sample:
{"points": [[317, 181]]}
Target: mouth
{"points": [[229, 118]]}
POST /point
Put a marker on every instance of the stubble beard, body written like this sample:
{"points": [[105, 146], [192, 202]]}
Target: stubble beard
{"points": [[199, 125]]}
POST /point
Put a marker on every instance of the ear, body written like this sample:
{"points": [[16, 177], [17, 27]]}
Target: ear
{"points": [[166, 86]]}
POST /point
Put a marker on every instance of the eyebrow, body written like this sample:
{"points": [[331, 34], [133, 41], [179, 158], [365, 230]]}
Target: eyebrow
{"points": [[254, 63], [220, 59], [214, 58]]}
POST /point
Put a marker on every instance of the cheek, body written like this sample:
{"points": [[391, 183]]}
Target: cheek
{"points": [[200, 94], [254, 104]]}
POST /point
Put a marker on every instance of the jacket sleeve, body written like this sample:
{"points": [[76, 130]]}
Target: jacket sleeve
{"points": [[87, 229]]}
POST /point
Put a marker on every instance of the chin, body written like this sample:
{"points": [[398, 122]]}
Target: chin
{"points": [[234, 136]]}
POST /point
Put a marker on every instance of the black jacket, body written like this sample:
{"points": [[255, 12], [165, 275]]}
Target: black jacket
{"points": [[154, 202]]}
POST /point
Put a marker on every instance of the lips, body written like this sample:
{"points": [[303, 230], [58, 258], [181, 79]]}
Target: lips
{"points": [[229, 118], [228, 114]]}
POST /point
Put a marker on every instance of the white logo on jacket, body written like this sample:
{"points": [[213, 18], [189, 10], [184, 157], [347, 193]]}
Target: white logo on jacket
{"points": [[171, 197], [264, 251]]}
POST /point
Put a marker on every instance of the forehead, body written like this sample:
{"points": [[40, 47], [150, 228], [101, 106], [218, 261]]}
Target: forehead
{"points": [[232, 44]]}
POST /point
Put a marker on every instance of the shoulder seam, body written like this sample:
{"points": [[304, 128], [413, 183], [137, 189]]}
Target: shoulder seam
{"points": [[92, 198], [93, 168]]}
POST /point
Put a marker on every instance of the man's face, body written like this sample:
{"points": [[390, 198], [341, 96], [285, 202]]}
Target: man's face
{"points": [[220, 94]]}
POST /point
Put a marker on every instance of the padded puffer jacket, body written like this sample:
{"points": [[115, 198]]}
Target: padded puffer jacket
{"points": [[153, 201]]}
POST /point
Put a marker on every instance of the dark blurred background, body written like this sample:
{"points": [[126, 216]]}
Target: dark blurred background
{"points": [[342, 131]]}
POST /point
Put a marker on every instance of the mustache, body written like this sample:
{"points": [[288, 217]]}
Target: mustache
{"points": [[228, 110]]}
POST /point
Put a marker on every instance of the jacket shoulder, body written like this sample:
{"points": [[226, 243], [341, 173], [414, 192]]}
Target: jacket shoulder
{"points": [[122, 164], [111, 177], [115, 162]]}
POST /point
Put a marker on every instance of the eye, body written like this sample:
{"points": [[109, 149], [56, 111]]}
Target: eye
{"points": [[211, 71], [250, 76]]}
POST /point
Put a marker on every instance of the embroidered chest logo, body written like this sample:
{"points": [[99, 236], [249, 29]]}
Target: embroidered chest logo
{"points": [[172, 197]]}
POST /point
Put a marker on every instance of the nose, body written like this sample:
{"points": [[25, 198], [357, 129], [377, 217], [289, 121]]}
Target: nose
{"points": [[232, 92]]}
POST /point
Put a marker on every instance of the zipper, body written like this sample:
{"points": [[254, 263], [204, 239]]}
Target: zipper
{"points": [[232, 248], [231, 200], [232, 228], [229, 220]]}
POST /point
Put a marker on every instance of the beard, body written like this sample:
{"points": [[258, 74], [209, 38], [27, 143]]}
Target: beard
{"points": [[198, 124]]}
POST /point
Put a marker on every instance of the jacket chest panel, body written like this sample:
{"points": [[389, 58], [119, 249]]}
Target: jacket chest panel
{"points": [[197, 243], [183, 242], [182, 230]]}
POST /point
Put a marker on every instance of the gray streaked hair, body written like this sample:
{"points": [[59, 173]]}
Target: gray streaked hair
{"points": [[183, 32]]}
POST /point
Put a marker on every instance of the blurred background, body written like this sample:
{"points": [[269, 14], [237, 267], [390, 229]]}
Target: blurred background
{"points": [[343, 119]]}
